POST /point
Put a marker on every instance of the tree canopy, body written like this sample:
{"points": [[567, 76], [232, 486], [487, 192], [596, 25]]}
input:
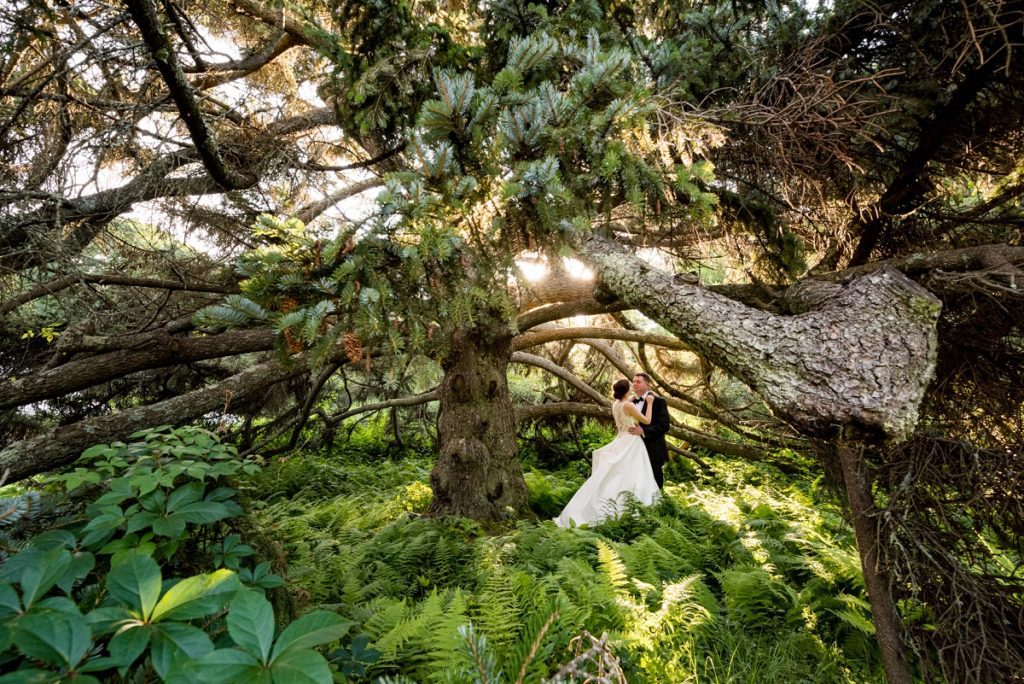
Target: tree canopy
{"points": [[280, 217]]}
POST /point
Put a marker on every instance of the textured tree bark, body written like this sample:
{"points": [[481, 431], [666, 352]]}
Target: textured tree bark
{"points": [[158, 351], [63, 445], [888, 629], [860, 353], [477, 474]]}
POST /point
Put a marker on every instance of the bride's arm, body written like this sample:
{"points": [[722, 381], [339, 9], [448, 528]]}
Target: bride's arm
{"points": [[633, 411]]}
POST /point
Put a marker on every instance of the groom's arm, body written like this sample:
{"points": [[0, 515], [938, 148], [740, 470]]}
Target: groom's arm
{"points": [[659, 421]]}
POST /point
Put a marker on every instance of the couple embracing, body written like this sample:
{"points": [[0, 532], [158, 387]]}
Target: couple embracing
{"points": [[631, 462]]}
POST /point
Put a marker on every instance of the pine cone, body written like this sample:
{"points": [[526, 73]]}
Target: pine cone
{"points": [[353, 347], [292, 342]]}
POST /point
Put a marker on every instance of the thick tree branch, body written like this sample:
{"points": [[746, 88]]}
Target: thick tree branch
{"points": [[555, 312], [558, 371], [159, 350], [61, 446], [20, 234], [551, 334], [309, 212], [144, 14], [862, 354], [414, 400]]}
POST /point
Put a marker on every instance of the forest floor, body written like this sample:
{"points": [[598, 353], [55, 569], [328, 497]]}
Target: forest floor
{"points": [[746, 575]]}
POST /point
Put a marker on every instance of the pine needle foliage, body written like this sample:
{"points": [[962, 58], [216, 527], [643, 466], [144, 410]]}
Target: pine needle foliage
{"points": [[721, 581]]}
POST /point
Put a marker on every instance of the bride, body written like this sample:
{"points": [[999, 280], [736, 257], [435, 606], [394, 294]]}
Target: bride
{"points": [[620, 466]]}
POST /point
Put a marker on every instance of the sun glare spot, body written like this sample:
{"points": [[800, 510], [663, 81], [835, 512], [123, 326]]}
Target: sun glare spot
{"points": [[576, 269], [532, 269]]}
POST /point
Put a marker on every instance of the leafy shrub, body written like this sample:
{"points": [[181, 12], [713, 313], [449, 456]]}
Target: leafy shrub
{"points": [[89, 600]]}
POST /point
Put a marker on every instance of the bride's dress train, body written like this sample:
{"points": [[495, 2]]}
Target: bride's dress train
{"points": [[620, 466]]}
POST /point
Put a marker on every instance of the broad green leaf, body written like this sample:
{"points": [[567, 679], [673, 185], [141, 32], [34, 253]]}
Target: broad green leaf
{"points": [[94, 451], [231, 665], [203, 512], [110, 619], [53, 539], [174, 642], [58, 604], [56, 638], [172, 526], [251, 623], [301, 666], [154, 502], [9, 602], [310, 630], [128, 644], [43, 570], [81, 565], [197, 596], [100, 528], [184, 495], [130, 544], [141, 521], [135, 580], [145, 482]]}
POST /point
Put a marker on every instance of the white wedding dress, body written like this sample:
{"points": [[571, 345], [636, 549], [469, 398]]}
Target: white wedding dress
{"points": [[619, 466]]}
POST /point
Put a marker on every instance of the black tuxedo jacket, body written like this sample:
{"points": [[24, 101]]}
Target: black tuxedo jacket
{"points": [[654, 434]]}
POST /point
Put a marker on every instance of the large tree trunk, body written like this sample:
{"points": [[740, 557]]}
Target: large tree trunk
{"points": [[888, 630], [477, 474], [859, 354]]}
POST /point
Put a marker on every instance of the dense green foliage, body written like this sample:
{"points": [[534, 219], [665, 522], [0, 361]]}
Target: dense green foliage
{"points": [[745, 576], [87, 600], [149, 566]]}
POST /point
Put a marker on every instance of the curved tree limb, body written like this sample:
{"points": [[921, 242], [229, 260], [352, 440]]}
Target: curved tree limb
{"points": [[414, 400], [558, 371], [309, 212], [554, 333], [862, 355], [554, 312]]}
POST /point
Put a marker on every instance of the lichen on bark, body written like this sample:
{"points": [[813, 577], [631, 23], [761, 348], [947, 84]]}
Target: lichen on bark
{"points": [[859, 353]]}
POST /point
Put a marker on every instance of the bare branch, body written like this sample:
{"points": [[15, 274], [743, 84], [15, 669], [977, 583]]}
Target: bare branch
{"points": [[54, 286], [145, 16]]}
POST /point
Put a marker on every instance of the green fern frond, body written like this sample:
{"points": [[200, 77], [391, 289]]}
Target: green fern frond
{"points": [[497, 612], [612, 568]]}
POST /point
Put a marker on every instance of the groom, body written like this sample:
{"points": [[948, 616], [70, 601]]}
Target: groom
{"points": [[653, 434]]}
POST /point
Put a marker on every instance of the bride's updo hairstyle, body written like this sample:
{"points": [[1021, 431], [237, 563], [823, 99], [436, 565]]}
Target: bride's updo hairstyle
{"points": [[620, 388]]}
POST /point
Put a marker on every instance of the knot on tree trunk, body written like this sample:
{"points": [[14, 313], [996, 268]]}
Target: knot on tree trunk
{"points": [[859, 354]]}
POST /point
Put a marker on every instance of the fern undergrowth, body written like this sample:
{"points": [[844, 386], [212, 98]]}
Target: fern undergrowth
{"points": [[746, 576]]}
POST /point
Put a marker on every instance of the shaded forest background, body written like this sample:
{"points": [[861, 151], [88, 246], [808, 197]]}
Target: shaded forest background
{"points": [[287, 223]]}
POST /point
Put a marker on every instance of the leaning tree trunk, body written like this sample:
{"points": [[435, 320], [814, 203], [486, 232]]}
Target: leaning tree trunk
{"points": [[857, 356], [477, 474], [888, 630], [860, 354]]}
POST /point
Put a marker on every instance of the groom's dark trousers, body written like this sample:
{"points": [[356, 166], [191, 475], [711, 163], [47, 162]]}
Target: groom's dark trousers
{"points": [[654, 437]]}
